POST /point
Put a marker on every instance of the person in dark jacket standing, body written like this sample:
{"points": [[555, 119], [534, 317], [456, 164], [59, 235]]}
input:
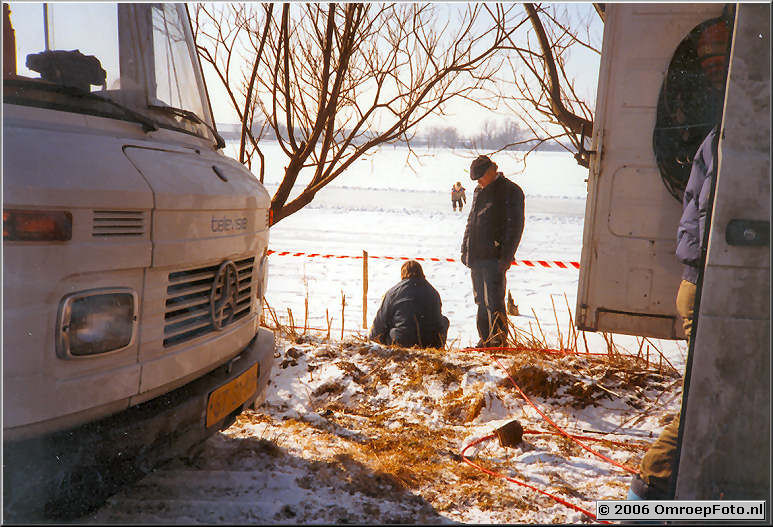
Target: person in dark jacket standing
{"points": [[410, 312], [493, 232]]}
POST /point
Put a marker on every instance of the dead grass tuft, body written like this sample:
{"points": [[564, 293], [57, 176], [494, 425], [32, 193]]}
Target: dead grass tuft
{"points": [[422, 367], [454, 405], [331, 388], [587, 378], [666, 419], [357, 374], [250, 417], [535, 381], [478, 403], [414, 454]]}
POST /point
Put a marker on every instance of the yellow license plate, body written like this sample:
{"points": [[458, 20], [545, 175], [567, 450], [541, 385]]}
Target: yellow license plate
{"points": [[231, 395]]}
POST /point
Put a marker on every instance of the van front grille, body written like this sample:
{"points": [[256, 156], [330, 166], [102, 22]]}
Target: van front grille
{"points": [[188, 313], [118, 223]]}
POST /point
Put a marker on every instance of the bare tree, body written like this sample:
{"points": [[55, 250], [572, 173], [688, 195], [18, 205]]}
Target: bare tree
{"points": [[333, 81], [222, 28], [443, 136], [543, 93], [497, 136]]}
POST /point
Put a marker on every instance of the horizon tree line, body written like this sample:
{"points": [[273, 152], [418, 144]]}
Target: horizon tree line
{"points": [[330, 82]]}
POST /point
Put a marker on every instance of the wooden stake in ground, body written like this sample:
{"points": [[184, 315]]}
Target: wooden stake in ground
{"points": [[364, 289], [343, 308], [558, 326], [572, 329], [306, 313]]}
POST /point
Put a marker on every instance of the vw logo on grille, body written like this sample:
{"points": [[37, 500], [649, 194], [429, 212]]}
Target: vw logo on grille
{"points": [[224, 295]]}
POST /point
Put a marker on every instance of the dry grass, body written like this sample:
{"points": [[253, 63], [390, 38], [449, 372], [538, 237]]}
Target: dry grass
{"points": [[584, 380], [533, 340], [402, 453]]}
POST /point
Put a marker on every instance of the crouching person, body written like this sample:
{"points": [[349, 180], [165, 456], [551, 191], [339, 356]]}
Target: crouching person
{"points": [[410, 312]]}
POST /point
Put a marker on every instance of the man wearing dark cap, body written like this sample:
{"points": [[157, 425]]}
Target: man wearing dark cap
{"points": [[493, 232]]}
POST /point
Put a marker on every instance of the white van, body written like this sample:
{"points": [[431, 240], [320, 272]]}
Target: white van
{"points": [[134, 253]]}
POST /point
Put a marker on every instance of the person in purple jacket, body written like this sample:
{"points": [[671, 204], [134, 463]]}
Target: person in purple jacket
{"points": [[654, 480]]}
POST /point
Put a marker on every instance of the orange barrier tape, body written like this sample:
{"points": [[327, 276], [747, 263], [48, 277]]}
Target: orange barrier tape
{"points": [[527, 263]]}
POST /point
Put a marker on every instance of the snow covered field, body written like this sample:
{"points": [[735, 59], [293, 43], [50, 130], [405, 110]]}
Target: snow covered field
{"points": [[353, 432], [393, 204]]}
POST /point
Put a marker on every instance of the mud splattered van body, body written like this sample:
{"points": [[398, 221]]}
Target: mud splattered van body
{"points": [[134, 252]]}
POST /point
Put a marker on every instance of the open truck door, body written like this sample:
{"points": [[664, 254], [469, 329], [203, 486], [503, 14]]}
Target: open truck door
{"points": [[725, 436], [628, 273]]}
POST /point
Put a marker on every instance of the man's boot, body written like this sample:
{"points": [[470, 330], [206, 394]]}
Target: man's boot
{"points": [[498, 338]]}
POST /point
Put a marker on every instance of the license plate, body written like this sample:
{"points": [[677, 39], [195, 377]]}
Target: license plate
{"points": [[231, 395]]}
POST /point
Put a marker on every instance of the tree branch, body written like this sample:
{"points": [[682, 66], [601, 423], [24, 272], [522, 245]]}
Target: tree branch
{"points": [[575, 123]]}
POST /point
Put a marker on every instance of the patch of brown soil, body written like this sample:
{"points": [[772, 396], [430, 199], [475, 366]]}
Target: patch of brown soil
{"points": [[535, 381], [331, 388], [357, 374]]}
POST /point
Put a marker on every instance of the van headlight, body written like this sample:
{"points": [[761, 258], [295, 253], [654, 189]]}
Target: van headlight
{"points": [[96, 321]]}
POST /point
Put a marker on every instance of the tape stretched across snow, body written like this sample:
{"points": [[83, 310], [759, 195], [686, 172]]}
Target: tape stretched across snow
{"points": [[526, 263]]}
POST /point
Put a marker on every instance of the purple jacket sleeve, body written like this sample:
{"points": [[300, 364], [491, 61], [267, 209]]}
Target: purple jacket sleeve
{"points": [[695, 206]]}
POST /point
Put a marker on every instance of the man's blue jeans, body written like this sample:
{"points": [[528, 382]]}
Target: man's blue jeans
{"points": [[488, 288]]}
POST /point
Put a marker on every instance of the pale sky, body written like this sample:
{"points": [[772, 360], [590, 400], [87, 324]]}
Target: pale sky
{"points": [[583, 65], [461, 114]]}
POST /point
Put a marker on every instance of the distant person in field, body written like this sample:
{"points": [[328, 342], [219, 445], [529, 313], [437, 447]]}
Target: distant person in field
{"points": [[458, 197], [410, 312], [493, 232]]}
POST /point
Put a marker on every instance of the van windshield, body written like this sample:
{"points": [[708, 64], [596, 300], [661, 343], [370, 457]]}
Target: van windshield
{"points": [[138, 55]]}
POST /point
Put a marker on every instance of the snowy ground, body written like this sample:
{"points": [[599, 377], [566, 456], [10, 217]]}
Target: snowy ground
{"points": [[398, 205], [353, 432]]}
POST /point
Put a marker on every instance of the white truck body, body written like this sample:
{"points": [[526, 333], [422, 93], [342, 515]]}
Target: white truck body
{"points": [[629, 274], [134, 251]]}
